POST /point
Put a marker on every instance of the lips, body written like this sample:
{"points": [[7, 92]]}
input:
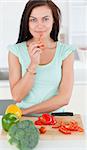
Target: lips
{"points": [[39, 31]]}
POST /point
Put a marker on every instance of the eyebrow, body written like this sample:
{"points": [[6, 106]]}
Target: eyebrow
{"points": [[32, 16], [42, 17]]}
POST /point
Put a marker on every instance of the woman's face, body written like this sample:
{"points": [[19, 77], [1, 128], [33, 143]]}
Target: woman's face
{"points": [[41, 22]]}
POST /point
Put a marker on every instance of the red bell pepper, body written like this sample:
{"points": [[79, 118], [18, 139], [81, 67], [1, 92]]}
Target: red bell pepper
{"points": [[46, 119]]}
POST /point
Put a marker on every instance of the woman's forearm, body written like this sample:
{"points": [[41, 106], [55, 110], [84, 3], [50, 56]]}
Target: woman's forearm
{"points": [[23, 87], [49, 105], [54, 103]]}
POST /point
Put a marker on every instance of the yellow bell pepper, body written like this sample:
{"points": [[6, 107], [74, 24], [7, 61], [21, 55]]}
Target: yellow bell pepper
{"points": [[14, 109]]}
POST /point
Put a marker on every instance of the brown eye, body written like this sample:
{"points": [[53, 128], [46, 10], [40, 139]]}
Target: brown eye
{"points": [[33, 20], [45, 19]]}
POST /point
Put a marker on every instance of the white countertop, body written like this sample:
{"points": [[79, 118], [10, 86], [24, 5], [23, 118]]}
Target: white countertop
{"points": [[62, 144]]}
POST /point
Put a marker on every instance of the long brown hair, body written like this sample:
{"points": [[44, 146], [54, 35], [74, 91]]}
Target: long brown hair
{"points": [[24, 33]]}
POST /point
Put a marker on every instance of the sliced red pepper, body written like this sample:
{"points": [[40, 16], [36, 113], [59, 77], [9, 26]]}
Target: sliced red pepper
{"points": [[64, 130], [80, 129], [42, 120], [55, 127], [53, 122], [73, 122], [38, 122], [46, 115], [42, 130], [46, 119], [71, 126]]}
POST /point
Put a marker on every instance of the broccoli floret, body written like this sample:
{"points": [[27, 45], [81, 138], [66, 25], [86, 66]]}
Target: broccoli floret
{"points": [[12, 130], [24, 134], [25, 123]]}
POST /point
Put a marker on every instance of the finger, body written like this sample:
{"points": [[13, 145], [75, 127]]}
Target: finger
{"points": [[41, 45], [32, 47], [36, 55], [32, 43], [35, 50]]}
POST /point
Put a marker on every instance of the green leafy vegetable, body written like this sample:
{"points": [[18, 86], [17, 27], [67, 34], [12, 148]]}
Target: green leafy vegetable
{"points": [[24, 134]]}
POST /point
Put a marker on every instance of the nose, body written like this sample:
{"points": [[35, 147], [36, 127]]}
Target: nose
{"points": [[40, 24]]}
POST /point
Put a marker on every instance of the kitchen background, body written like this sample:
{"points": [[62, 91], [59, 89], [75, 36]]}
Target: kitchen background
{"points": [[73, 31]]}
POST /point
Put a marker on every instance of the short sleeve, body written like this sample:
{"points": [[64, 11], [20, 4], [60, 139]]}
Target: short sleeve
{"points": [[14, 49], [66, 50]]}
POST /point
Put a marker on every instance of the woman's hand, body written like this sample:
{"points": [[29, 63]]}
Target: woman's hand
{"points": [[34, 52], [24, 112]]}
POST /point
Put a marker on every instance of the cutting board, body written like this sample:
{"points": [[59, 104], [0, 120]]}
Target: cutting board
{"points": [[54, 134]]}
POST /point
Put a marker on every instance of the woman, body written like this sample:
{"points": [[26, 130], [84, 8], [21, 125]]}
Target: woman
{"points": [[40, 67]]}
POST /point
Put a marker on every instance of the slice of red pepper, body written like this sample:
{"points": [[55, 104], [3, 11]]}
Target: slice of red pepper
{"points": [[55, 127], [53, 122], [38, 122], [42, 130], [80, 129], [71, 126], [46, 119], [64, 130]]}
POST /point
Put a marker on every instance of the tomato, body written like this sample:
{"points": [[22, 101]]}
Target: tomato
{"points": [[8, 120], [42, 130]]}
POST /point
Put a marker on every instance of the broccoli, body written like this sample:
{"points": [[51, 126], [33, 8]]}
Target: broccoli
{"points": [[24, 134]]}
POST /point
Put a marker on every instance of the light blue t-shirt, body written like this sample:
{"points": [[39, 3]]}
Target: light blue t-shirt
{"points": [[48, 77]]}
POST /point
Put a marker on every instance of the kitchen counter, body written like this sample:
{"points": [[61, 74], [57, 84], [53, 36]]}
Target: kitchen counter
{"points": [[62, 144]]}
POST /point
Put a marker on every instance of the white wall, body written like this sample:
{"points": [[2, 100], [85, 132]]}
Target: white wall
{"points": [[10, 14]]}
